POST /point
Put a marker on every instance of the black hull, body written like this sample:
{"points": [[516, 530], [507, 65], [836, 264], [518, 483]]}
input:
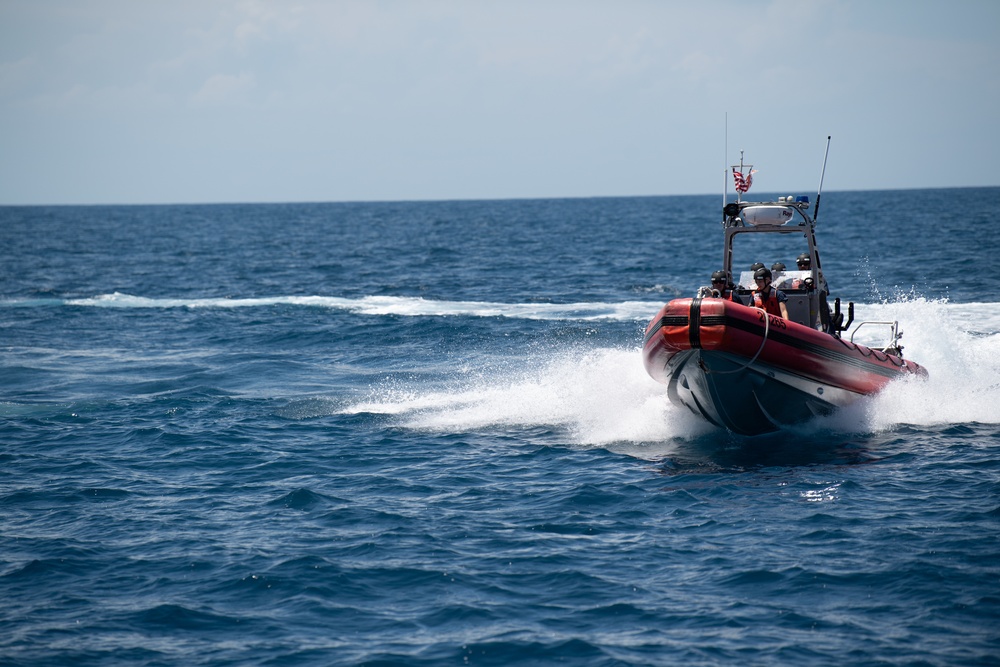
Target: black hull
{"points": [[748, 399]]}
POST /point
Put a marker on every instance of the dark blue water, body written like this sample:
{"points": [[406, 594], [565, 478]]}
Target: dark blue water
{"points": [[421, 434]]}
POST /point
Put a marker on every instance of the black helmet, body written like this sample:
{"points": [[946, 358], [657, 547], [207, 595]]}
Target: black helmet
{"points": [[803, 259], [719, 275], [762, 272], [757, 265], [777, 266]]}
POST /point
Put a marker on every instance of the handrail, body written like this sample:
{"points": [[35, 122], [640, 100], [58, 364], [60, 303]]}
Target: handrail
{"points": [[894, 333]]}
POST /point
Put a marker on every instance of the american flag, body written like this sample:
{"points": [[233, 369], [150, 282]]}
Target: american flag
{"points": [[743, 184]]}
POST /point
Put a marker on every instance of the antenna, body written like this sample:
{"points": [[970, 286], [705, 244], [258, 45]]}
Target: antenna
{"points": [[725, 172], [819, 193]]}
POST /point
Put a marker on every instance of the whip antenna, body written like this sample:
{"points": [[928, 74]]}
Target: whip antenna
{"points": [[822, 174], [725, 171]]}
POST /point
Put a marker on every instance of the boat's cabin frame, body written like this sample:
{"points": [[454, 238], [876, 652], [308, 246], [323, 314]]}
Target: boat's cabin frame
{"points": [[786, 216], [806, 305]]}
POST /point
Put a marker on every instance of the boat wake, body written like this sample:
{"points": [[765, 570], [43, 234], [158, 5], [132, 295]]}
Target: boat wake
{"points": [[600, 396], [603, 396], [596, 397], [959, 344], [375, 305]]}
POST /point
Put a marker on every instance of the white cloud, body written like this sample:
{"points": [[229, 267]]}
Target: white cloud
{"points": [[220, 89]]}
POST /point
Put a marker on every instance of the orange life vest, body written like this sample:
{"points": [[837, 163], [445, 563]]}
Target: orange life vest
{"points": [[769, 304]]}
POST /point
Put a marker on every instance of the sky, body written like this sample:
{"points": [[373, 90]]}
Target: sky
{"points": [[196, 101]]}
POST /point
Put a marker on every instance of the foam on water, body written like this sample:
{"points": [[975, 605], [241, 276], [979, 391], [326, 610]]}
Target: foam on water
{"points": [[960, 347], [604, 396], [599, 397], [378, 305]]}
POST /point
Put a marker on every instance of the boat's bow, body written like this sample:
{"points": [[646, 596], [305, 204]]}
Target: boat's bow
{"points": [[751, 372]]}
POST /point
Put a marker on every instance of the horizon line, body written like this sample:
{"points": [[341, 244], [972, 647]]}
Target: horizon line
{"points": [[277, 202]]}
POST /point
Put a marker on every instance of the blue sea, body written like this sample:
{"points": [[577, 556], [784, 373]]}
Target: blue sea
{"points": [[420, 433]]}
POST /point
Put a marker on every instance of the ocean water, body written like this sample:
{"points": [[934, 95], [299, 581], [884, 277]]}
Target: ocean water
{"points": [[420, 433]]}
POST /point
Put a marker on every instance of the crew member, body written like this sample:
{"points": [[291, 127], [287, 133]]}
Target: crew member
{"points": [[778, 273], [766, 297], [804, 263], [721, 288]]}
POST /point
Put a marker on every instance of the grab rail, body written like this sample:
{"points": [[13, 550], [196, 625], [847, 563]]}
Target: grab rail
{"points": [[893, 346]]}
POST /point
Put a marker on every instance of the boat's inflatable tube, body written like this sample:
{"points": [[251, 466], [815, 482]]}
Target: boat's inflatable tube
{"points": [[750, 334]]}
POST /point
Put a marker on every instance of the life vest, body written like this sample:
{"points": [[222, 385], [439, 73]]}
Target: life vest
{"points": [[769, 304]]}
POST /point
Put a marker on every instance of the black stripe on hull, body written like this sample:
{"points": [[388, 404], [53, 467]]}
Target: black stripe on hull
{"points": [[694, 331]]}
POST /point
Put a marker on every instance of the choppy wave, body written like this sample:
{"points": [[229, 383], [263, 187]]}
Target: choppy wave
{"points": [[218, 481]]}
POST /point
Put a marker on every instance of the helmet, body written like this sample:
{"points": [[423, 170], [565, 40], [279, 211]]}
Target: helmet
{"points": [[762, 272], [803, 259], [777, 266], [757, 265], [719, 275]]}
